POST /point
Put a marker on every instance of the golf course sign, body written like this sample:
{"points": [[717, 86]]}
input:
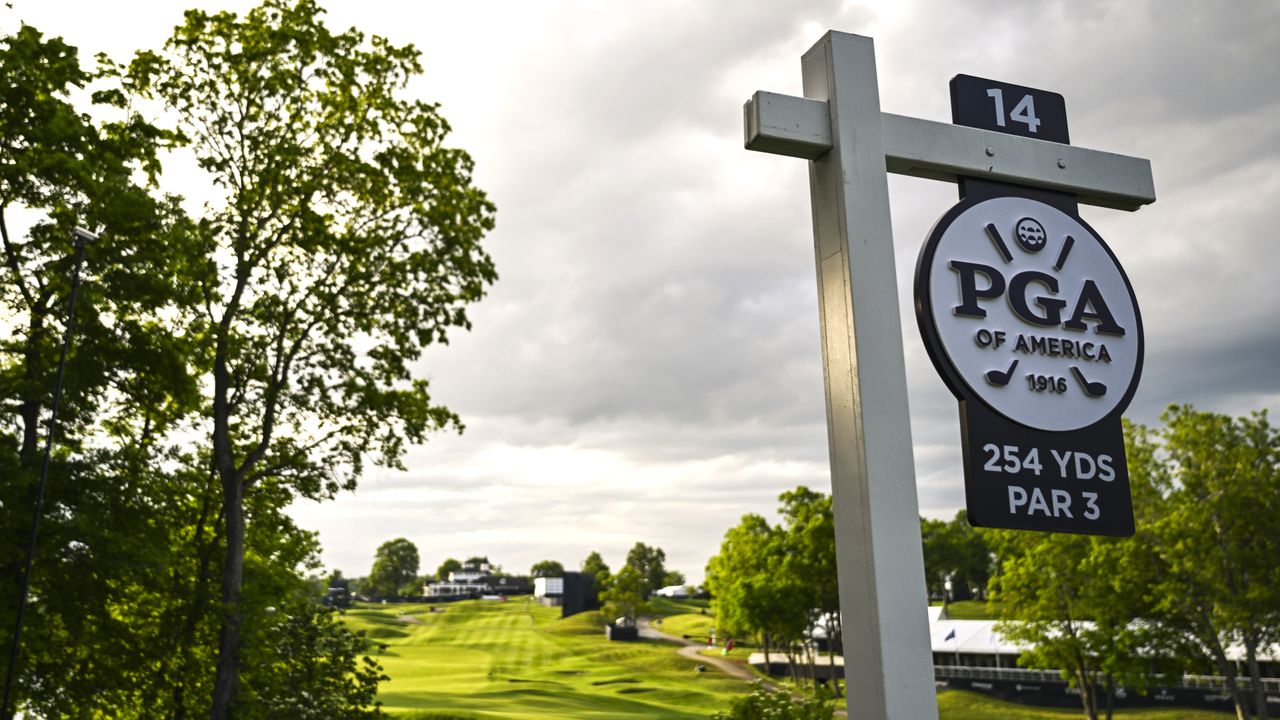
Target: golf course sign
{"points": [[1032, 323]]}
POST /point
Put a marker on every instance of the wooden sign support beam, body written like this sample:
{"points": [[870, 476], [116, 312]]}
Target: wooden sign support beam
{"points": [[800, 127]]}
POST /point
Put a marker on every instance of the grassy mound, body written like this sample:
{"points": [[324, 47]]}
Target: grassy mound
{"points": [[481, 659]]}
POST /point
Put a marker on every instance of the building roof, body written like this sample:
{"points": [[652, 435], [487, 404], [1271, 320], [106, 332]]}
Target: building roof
{"points": [[979, 637]]}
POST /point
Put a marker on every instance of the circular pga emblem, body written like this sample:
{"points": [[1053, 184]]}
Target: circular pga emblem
{"points": [[1031, 235], [1027, 308]]}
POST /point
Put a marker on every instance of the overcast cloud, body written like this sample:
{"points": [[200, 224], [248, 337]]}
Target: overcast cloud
{"points": [[647, 368]]}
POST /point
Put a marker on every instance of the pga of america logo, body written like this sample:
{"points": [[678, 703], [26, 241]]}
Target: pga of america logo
{"points": [[1031, 313]]}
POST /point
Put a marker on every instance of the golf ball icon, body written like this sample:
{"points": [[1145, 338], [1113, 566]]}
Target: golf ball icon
{"points": [[1030, 234]]}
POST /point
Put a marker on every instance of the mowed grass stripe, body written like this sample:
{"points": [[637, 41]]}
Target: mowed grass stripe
{"points": [[508, 660]]}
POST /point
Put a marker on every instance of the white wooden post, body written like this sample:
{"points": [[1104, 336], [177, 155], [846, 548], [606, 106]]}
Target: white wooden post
{"points": [[888, 666], [850, 144]]}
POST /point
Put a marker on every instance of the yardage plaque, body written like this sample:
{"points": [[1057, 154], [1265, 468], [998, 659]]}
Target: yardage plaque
{"points": [[1032, 323]]}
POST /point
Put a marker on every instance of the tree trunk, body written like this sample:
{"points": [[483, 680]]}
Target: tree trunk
{"points": [[1255, 674], [201, 595], [831, 659], [766, 654], [1087, 698], [1228, 672], [838, 625], [813, 667], [33, 393], [1111, 693], [228, 670]]}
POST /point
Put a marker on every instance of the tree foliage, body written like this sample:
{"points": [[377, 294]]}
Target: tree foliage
{"points": [[774, 584], [345, 240], [809, 541], [318, 669], [954, 551], [672, 578], [450, 565], [395, 566], [113, 522], [625, 597], [547, 568], [1068, 598], [1198, 577], [650, 563], [751, 597], [595, 566], [282, 325], [1216, 535]]}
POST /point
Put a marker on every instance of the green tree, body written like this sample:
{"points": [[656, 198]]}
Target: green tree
{"points": [[809, 538], [625, 597], [778, 583], [61, 169], [650, 562], [109, 508], [346, 240], [1069, 599], [1217, 534], [1199, 572], [448, 566], [336, 590], [752, 595], [319, 669], [595, 566], [298, 659], [394, 566], [673, 577], [954, 551], [546, 568]]}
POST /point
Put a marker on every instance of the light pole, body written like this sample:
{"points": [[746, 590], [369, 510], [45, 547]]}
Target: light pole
{"points": [[81, 237]]}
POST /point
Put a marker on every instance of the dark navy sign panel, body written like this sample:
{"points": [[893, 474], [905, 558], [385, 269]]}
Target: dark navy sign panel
{"points": [[1007, 108], [1031, 322], [1027, 479]]}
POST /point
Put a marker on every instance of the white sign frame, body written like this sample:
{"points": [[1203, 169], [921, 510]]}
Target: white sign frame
{"points": [[851, 144]]}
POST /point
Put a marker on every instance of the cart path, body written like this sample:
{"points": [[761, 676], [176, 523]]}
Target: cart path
{"points": [[689, 649]]}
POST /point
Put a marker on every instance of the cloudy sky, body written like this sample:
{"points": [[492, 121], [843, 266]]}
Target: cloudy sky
{"points": [[648, 368]]}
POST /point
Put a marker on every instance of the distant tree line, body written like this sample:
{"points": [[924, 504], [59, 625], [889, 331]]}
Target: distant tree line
{"points": [[625, 594], [394, 574], [1200, 576]]}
